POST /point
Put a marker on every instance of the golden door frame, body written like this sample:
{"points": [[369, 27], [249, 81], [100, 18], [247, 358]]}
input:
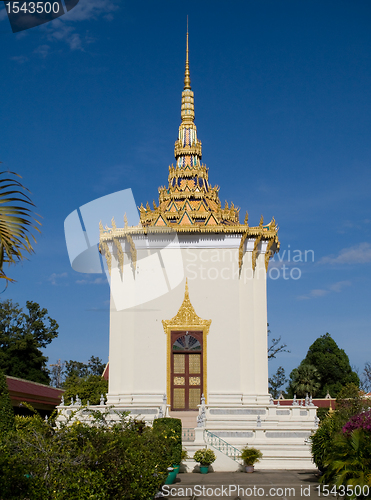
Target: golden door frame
{"points": [[186, 319]]}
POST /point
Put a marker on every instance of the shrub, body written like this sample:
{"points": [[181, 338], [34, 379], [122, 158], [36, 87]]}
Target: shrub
{"points": [[348, 464], [321, 440], [171, 430], [78, 461], [6, 408], [205, 456], [360, 421], [251, 455], [341, 446]]}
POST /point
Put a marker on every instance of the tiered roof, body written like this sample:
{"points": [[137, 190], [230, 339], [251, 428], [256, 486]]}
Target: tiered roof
{"points": [[189, 204], [189, 199]]}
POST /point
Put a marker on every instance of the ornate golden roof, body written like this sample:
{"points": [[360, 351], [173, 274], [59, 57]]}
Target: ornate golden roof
{"points": [[189, 204]]}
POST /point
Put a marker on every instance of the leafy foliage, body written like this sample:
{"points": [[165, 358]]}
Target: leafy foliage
{"points": [[89, 389], [251, 455], [85, 380], [277, 381], [332, 364], [321, 441], [349, 402], [22, 335], [6, 408], [341, 446], [349, 461], [16, 222], [76, 368], [205, 456], [304, 380], [360, 421], [171, 430], [79, 461]]}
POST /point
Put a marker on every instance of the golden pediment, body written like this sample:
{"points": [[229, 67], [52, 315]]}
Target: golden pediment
{"points": [[186, 317]]}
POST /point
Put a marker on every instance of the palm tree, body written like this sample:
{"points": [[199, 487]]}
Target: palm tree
{"points": [[305, 379], [16, 222], [349, 463]]}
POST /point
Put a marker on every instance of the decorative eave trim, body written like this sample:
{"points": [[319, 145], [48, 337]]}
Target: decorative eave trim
{"points": [[266, 234]]}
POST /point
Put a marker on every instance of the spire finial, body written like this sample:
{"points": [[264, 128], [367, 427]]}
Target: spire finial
{"points": [[187, 78]]}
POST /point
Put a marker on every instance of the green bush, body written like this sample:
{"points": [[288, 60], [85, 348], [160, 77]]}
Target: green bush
{"points": [[78, 461], [171, 430], [87, 388], [6, 408], [341, 446], [321, 441], [251, 455], [205, 456], [348, 464]]}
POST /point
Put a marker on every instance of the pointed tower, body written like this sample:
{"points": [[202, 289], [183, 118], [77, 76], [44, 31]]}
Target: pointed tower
{"points": [[188, 200]]}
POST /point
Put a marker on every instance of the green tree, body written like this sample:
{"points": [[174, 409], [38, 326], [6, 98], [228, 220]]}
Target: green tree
{"points": [[332, 364], [366, 377], [6, 408], [87, 388], [277, 381], [16, 222], [22, 335], [94, 366], [304, 380]]}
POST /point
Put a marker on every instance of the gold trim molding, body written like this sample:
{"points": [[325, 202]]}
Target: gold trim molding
{"points": [[186, 319]]}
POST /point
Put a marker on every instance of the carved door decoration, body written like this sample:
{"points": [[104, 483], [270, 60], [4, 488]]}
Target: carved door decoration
{"points": [[186, 356], [186, 370]]}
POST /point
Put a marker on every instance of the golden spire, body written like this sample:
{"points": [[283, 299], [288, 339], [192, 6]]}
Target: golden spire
{"points": [[188, 108], [187, 77]]}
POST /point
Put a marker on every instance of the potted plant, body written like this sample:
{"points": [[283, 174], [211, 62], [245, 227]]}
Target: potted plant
{"points": [[250, 456], [184, 455], [204, 457]]}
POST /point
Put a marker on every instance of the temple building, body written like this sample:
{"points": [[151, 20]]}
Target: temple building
{"points": [[188, 316]]}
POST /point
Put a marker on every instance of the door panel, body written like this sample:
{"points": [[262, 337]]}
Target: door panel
{"points": [[186, 370]]}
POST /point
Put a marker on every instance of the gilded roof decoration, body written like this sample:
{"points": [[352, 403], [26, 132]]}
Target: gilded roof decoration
{"points": [[186, 317]]}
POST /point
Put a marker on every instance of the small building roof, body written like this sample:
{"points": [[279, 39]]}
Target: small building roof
{"points": [[40, 396]]}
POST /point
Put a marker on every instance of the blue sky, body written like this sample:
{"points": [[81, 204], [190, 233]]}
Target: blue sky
{"points": [[91, 104]]}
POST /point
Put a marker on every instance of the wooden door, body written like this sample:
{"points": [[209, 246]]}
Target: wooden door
{"points": [[186, 370]]}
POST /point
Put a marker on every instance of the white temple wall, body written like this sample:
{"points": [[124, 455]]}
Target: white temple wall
{"points": [[237, 366]]}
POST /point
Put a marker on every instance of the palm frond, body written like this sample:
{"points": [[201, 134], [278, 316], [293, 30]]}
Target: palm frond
{"points": [[17, 222]]}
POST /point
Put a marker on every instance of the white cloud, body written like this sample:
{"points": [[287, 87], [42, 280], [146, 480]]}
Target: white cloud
{"points": [[321, 292], [63, 29], [19, 59], [42, 50], [338, 287], [90, 9], [54, 277], [96, 281], [359, 254]]}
